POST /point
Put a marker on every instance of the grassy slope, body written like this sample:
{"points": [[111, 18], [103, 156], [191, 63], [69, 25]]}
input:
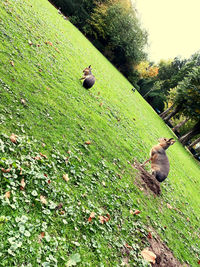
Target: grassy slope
{"points": [[62, 114]]}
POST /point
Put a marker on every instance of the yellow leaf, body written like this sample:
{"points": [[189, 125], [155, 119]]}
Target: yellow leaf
{"points": [[7, 194], [23, 183], [43, 199], [66, 177]]}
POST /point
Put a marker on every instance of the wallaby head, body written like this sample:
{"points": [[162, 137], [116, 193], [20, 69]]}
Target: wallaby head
{"points": [[165, 143], [87, 70], [159, 159]]}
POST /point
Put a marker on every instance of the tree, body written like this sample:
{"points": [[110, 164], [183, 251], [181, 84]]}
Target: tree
{"points": [[192, 133], [121, 33]]}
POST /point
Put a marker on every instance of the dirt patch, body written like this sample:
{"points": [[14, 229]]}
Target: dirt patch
{"points": [[147, 181], [164, 256]]}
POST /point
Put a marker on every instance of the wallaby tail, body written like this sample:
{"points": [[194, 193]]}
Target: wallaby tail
{"points": [[159, 176]]}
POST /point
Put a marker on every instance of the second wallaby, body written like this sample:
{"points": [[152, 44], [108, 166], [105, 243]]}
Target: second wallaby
{"points": [[88, 78], [159, 159]]}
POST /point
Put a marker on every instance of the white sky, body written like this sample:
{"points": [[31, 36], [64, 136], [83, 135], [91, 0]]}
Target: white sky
{"points": [[173, 27]]}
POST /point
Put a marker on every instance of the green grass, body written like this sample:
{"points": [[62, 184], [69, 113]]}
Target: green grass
{"points": [[61, 114]]}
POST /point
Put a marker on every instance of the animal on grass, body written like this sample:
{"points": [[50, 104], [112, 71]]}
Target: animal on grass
{"points": [[88, 78], [159, 159]]}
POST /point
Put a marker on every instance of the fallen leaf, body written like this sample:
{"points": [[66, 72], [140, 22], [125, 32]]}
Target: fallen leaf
{"points": [[41, 236], [148, 255], [92, 215], [22, 184], [188, 219], [127, 246], [42, 155], [7, 194], [103, 183], [23, 101], [50, 43], [66, 177], [87, 142], [199, 262], [43, 199], [29, 42], [134, 212], [12, 63], [149, 235], [13, 138], [37, 158], [6, 170], [169, 206], [101, 104], [104, 219]]}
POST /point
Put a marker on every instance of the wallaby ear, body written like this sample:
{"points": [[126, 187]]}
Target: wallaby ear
{"points": [[89, 67], [171, 141]]}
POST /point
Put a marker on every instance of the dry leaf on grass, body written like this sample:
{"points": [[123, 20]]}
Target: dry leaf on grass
{"points": [[92, 215], [87, 142], [148, 255], [43, 200], [135, 212], [7, 194], [13, 138], [169, 206], [22, 184], [66, 177]]}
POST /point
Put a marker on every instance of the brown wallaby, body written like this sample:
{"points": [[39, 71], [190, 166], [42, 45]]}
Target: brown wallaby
{"points": [[88, 78], [159, 159]]}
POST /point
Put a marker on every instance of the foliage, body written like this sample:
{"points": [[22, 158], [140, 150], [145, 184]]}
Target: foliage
{"points": [[188, 94]]}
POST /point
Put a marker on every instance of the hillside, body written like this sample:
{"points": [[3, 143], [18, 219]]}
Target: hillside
{"points": [[68, 190]]}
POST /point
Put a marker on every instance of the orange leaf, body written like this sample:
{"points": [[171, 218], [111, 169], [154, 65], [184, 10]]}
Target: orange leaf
{"points": [[87, 142], [148, 255], [92, 215], [135, 212], [13, 138], [101, 104], [42, 155], [7, 194], [6, 170], [66, 177], [149, 235], [127, 246], [43, 199], [104, 219]]}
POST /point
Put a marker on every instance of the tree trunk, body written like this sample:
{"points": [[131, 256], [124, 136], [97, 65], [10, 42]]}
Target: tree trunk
{"points": [[174, 112], [194, 143], [179, 125], [186, 137], [164, 113]]}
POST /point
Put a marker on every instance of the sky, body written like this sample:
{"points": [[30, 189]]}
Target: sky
{"points": [[173, 27]]}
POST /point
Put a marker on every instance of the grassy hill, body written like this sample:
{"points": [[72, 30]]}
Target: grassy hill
{"points": [[90, 137]]}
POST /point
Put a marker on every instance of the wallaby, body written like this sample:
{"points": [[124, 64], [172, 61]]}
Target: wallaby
{"points": [[159, 159], [88, 78]]}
